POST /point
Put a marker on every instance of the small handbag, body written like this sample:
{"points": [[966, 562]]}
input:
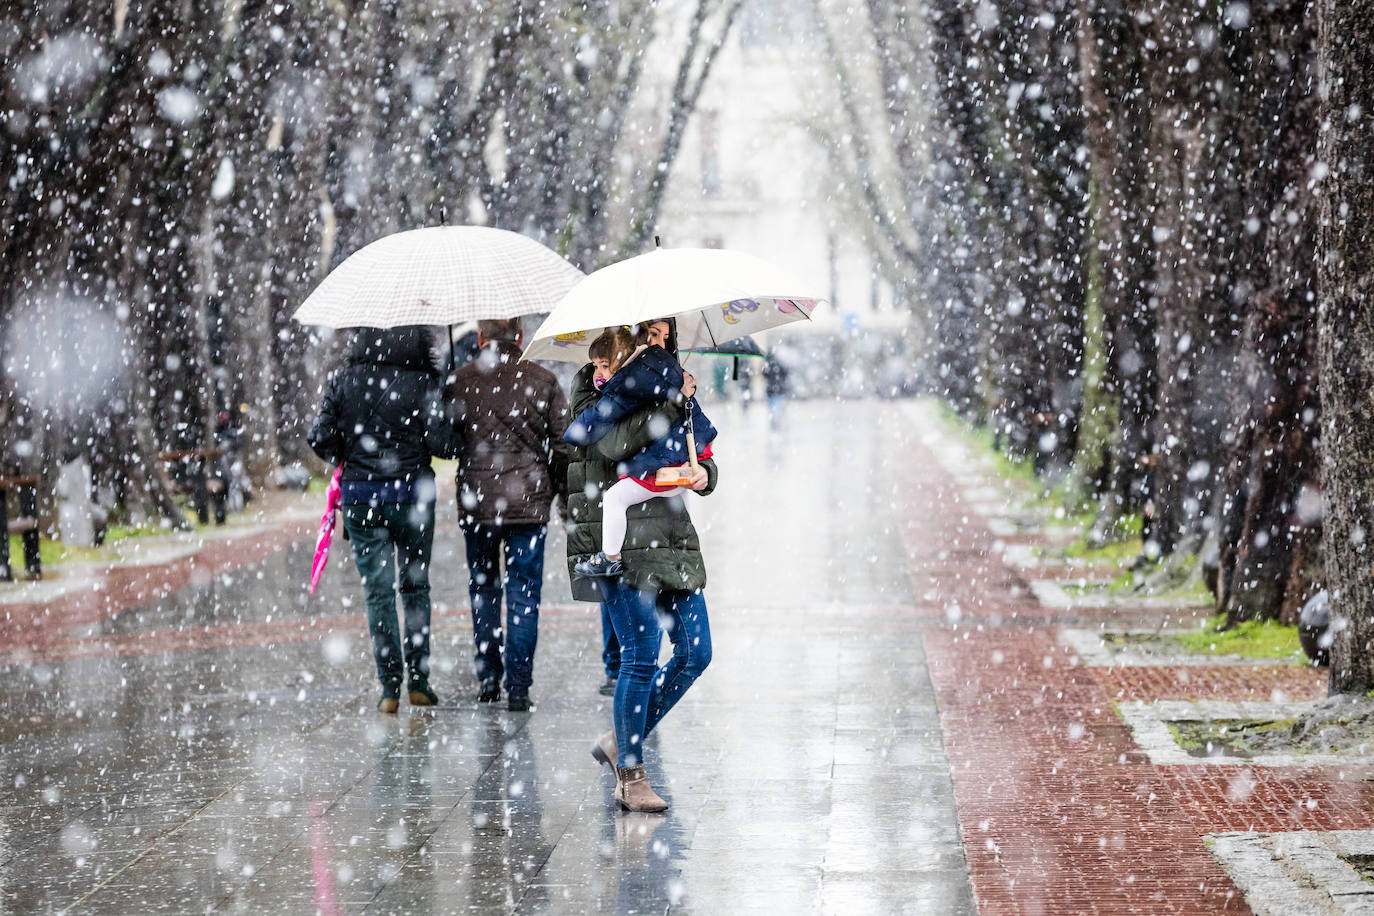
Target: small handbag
{"points": [[680, 475]]}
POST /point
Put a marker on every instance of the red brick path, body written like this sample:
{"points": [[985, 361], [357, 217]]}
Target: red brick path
{"points": [[1060, 811], [1058, 815], [120, 588], [1249, 683]]}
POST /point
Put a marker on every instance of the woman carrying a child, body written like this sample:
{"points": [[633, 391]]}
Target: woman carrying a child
{"points": [[658, 587]]}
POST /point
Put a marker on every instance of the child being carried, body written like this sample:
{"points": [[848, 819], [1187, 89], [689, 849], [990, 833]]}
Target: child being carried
{"points": [[631, 378]]}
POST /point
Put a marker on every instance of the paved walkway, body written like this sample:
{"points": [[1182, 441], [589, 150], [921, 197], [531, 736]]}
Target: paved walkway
{"points": [[217, 747], [893, 723]]}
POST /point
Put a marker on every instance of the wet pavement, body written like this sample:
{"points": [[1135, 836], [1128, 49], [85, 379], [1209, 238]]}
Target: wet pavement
{"points": [[217, 749]]}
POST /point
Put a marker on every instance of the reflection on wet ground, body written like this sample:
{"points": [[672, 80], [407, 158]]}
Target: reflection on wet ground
{"points": [[218, 749]]}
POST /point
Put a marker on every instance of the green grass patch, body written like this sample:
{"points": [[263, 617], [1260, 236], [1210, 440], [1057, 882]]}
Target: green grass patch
{"points": [[1251, 639], [1112, 552], [52, 552], [1130, 582], [1124, 539], [1064, 503], [116, 533]]}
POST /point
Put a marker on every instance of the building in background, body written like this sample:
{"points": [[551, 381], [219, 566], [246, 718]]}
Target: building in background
{"points": [[754, 176]]}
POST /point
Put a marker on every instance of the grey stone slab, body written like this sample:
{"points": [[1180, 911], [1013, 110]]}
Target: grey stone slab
{"points": [[897, 892]]}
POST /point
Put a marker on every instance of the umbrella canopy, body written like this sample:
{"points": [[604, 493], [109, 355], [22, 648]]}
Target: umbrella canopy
{"points": [[740, 346], [440, 275], [715, 295]]}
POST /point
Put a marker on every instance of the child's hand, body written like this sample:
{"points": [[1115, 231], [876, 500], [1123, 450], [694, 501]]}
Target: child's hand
{"points": [[699, 479]]}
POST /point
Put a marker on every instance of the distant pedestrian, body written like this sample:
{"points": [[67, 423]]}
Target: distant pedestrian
{"points": [[660, 589], [511, 414], [775, 386], [383, 419]]}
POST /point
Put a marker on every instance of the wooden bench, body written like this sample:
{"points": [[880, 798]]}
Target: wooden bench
{"points": [[26, 525], [205, 487]]}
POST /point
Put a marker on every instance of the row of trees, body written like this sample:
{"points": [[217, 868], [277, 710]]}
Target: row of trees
{"points": [[1123, 218], [177, 176]]}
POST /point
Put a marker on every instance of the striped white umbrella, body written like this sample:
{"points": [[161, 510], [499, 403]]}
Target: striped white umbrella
{"points": [[437, 276], [715, 295]]}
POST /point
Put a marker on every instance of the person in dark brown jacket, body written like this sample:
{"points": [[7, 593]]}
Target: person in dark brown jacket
{"points": [[511, 415]]}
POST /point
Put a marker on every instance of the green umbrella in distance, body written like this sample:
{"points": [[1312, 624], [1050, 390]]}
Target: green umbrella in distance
{"points": [[739, 347]]}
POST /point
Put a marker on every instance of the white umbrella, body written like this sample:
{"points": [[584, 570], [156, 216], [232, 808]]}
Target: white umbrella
{"points": [[715, 295], [440, 275]]}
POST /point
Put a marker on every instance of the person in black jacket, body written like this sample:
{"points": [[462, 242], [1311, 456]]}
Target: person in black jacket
{"points": [[384, 418]]}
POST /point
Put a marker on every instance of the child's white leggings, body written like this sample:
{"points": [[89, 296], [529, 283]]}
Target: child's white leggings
{"points": [[616, 501]]}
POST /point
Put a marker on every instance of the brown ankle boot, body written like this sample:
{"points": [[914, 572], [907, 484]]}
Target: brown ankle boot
{"points": [[604, 750], [634, 793]]}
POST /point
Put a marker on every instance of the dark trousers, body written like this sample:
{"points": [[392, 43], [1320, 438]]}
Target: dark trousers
{"points": [[391, 542], [610, 646], [523, 549]]}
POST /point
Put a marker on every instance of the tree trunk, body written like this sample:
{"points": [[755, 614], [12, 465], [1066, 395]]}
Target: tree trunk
{"points": [[1267, 515], [1346, 332], [1115, 97]]}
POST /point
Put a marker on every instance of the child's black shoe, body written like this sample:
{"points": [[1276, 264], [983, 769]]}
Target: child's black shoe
{"points": [[599, 565]]}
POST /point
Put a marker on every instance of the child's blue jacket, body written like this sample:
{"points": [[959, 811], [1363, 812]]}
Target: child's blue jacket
{"points": [[652, 377]]}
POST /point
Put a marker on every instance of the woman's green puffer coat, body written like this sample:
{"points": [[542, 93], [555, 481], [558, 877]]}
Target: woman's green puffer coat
{"points": [[661, 549]]}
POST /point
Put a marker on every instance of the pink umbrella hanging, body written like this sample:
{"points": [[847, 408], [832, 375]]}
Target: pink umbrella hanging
{"points": [[333, 496]]}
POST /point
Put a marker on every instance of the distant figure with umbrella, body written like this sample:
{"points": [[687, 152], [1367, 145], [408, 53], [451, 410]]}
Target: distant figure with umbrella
{"points": [[511, 414], [382, 420]]}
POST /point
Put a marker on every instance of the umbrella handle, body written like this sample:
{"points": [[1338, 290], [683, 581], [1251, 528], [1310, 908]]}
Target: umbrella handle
{"points": [[691, 440]]}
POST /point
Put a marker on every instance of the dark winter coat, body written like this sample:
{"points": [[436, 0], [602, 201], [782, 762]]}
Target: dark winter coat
{"points": [[661, 549], [383, 415], [651, 378], [512, 416]]}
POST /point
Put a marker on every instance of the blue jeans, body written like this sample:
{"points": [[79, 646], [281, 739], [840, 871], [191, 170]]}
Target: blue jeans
{"points": [[524, 580], [391, 541], [645, 692]]}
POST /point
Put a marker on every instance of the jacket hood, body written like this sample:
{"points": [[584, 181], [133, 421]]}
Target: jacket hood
{"points": [[583, 389], [407, 347]]}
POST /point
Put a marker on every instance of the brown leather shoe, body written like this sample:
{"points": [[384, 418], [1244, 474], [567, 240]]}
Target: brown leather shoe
{"points": [[391, 697], [634, 793], [604, 750]]}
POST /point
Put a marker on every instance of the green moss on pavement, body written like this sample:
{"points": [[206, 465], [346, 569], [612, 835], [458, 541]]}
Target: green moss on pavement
{"points": [[1251, 639]]}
